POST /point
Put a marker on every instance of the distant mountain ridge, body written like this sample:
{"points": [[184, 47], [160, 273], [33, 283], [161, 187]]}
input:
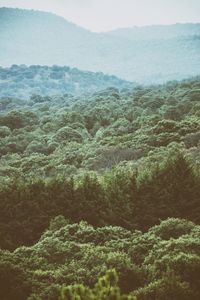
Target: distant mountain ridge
{"points": [[154, 54], [158, 31]]}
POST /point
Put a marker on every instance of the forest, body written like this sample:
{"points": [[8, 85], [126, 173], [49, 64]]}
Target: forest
{"points": [[23, 81], [99, 192]]}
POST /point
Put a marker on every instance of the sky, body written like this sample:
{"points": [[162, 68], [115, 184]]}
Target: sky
{"points": [[105, 15]]}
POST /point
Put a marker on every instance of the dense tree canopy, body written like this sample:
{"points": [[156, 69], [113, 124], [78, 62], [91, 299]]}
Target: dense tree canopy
{"points": [[99, 195], [163, 261], [67, 135], [39, 82]]}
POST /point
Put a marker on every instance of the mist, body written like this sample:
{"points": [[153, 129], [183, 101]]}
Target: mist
{"points": [[105, 15]]}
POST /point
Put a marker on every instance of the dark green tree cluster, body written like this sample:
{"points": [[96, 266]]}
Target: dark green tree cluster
{"points": [[127, 197], [105, 288], [162, 263]]}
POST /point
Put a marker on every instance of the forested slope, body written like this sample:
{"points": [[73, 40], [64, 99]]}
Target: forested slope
{"points": [[103, 172], [65, 135], [23, 82]]}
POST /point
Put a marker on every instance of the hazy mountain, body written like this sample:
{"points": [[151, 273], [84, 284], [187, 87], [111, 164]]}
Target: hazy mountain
{"points": [[22, 81], [149, 54], [157, 31]]}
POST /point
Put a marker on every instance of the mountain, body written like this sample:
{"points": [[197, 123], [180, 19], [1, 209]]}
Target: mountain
{"points": [[34, 37], [146, 55], [22, 81], [157, 31]]}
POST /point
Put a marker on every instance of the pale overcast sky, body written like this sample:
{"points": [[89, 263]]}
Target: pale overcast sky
{"points": [[103, 15]]}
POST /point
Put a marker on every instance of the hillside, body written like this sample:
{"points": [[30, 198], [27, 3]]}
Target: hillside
{"points": [[97, 131], [108, 181], [32, 37], [147, 130], [23, 82], [99, 151], [157, 32]]}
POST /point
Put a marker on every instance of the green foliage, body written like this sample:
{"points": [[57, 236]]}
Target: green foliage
{"points": [[40, 82], [13, 282], [169, 287], [123, 197], [172, 228], [100, 172], [66, 135], [69, 259], [4, 131], [105, 288]]}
